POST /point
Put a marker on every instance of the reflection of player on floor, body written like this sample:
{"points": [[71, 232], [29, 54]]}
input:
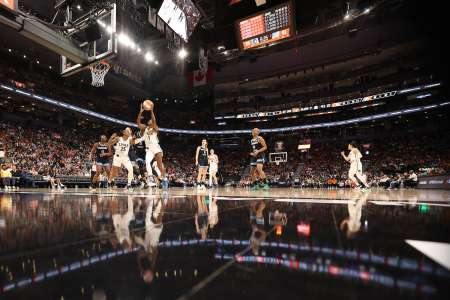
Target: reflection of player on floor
{"points": [[152, 148], [257, 160], [207, 216], [201, 161], [122, 225], [102, 153], [352, 225], [213, 167], [355, 172], [121, 158], [257, 222], [153, 228]]}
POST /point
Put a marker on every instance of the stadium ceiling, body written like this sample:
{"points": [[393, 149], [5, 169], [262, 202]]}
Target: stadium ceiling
{"points": [[216, 28], [217, 23]]}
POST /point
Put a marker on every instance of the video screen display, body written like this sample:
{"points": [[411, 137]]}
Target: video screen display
{"points": [[267, 27], [180, 15], [11, 4], [304, 144]]}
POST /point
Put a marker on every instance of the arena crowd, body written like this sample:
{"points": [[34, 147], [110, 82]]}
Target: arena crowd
{"points": [[47, 153]]}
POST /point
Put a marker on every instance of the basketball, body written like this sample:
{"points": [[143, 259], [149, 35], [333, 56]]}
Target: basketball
{"points": [[147, 104]]}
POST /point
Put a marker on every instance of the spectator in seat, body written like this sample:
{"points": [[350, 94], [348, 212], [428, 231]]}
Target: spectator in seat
{"points": [[395, 182], [9, 182], [2, 152], [53, 180], [411, 180], [384, 181]]}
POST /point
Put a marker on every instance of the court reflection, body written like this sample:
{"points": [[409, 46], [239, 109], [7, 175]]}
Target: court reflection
{"points": [[207, 215], [148, 243], [76, 245], [352, 224], [258, 225]]}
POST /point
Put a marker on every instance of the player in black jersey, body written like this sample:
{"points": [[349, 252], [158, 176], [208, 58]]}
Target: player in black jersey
{"points": [[201, 160], [139, 153], [258, 145], [102, 153]]}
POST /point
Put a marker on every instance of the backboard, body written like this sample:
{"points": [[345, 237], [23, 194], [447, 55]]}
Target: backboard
{"points": [[278, 157], [94, 33]]}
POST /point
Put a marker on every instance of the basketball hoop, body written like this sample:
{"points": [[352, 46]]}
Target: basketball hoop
{"points": [[98, 72]]}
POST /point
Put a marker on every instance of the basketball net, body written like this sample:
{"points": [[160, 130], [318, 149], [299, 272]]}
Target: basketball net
{"points": [[98, 72]]}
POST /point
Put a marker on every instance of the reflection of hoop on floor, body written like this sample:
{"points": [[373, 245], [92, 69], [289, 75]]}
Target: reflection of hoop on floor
{"points": [[99, 72]]}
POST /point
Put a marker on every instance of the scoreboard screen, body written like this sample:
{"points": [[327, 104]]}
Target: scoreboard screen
{"points": [[181, 15], [11, 4], [267, 27]]}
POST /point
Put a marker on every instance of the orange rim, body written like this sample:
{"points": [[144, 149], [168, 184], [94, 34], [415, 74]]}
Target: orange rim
{"points": [[103, 62]]}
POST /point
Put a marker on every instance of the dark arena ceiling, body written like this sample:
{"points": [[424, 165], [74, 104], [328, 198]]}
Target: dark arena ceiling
{"points": [[314, 21]]}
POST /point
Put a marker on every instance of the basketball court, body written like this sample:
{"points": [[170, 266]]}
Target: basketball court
{"points": [[227, 242]]}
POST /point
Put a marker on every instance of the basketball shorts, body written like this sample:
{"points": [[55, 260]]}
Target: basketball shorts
{"points": [[102, 161], [154, 148], [132, 155], [213, 167], [202, 163], [119, 161], [140, 157], [257, 161], [355, 168]]}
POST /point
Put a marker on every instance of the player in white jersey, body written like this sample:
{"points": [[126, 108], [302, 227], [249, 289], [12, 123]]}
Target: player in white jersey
{"points": [[152, 148], [121, 158], [213, 167], [355, 173]]}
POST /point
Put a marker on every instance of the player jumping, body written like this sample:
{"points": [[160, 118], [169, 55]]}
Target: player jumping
{"points": [[152, 147]]}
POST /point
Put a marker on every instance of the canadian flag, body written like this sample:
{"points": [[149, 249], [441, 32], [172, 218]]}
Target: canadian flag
{"points": [[200, 77]]}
